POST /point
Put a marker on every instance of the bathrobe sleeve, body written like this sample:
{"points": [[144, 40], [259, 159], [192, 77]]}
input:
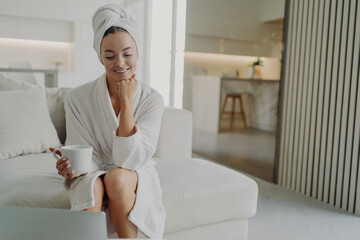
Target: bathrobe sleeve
{"points": [[135, 151], [77, 132]]}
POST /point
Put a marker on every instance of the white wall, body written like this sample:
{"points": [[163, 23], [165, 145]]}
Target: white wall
{"points": [[272, 10], [236, 19], [77, 13], [233, 26], [209, 44]]}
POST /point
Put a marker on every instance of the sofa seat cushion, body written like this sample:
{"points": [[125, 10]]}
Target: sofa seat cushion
{"points": [[197, 192], [32, 181]]}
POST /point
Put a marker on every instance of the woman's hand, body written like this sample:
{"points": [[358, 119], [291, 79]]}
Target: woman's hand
{"points": [[63, 165], [126, 89]]}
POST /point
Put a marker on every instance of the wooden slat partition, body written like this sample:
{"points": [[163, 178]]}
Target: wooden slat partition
{"points": [[319, 119]]}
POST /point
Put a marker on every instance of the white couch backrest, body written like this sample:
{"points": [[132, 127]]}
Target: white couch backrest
{"points": [[175, 139]]}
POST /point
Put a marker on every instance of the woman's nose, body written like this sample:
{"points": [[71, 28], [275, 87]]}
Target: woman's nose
{"points": [[120, 61]]}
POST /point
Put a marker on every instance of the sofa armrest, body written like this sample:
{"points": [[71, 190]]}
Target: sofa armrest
{"points": [[175, 139]]}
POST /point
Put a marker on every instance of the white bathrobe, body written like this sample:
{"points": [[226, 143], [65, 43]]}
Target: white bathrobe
{"points": [[90, 119]]}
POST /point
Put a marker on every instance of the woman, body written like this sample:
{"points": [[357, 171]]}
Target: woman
{"points": [[120, 118]]}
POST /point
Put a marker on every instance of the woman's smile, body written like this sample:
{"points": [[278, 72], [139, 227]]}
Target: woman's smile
{"points": [[121, 70]]}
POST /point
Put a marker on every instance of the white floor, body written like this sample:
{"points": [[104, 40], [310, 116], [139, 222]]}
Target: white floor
{"points": [[282, 214], [249, 150]]}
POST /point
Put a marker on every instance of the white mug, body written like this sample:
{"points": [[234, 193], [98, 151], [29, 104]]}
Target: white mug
{"points": [[79, 155]]}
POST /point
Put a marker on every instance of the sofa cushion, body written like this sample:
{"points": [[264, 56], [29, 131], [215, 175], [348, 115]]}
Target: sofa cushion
{"points": [[55, 98], [177, 145], [32, 181], [197, 192], [25, 125]]}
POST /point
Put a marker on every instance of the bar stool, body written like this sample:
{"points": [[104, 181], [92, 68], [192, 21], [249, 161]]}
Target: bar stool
{"points": [[232, 113]]}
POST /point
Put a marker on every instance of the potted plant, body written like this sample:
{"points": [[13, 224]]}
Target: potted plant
{"points": [[255, 69]]}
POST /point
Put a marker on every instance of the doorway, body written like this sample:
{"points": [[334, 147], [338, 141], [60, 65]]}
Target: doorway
{"points": [[243, 33]]}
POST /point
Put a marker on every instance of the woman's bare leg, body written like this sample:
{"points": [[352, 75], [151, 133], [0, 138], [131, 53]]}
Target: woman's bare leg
{"points": [[99, 191], [120, 185]]}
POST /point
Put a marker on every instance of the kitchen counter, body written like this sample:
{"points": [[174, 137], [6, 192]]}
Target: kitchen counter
{"points": [[260, 101], [252, 80]]}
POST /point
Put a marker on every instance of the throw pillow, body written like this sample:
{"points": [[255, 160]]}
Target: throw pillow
{"points": [[54, 98], [25, 124], [7, 84]]}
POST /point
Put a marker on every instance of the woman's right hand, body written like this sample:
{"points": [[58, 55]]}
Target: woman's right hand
{"points": [[63, 165], [126, 89]]}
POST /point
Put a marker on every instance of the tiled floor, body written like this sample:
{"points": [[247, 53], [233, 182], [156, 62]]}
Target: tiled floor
{"points": [[281, 214], [248, 150]]}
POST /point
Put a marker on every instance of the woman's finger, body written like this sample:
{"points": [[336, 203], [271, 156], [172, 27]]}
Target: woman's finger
{"points": [[71, 175], [79, 175], [60, 163], [57, 152], [65, 169], [65, 172], [64, 165]]}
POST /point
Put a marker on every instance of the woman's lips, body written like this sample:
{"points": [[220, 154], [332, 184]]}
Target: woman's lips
{"points": [[121, 71]]}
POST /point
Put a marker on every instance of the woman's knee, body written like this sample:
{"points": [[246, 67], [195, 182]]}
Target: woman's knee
{"points": [[120, 183]]}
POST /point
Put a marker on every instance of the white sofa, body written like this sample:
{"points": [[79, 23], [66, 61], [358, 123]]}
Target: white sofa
{"points": [[203, 200]]}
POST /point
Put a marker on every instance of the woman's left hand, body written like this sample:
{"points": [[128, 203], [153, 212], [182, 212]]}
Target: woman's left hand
{"points": [[126, 89]]}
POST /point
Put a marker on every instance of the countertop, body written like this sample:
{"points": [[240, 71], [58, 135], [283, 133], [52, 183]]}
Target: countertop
{"points": [[250, 79]]}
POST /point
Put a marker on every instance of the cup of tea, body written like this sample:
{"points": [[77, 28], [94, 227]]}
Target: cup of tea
{"points": [[79, 156]]}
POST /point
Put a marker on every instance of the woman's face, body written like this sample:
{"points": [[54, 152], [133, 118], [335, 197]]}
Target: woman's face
{"points": [[119, 56]]}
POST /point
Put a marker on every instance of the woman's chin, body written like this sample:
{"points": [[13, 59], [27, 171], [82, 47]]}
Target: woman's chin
{"points": [[120, 76]]}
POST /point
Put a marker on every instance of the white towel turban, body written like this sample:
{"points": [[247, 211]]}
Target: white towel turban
{"points": [[112, 15]]}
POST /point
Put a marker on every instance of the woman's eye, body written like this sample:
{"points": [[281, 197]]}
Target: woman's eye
{"points": [[127, 55], [109, 57]]}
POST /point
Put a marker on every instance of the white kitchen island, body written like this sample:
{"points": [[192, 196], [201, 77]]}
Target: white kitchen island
{"points": [[260, 101]]}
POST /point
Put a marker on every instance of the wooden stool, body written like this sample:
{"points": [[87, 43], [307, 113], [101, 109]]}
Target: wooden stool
{"points": [[232, 113]]}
